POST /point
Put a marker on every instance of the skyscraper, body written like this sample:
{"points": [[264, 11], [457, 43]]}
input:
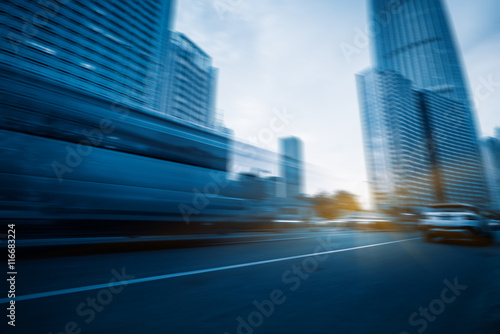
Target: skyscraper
{"points": [[491, 154], [456, 161], [110, 49], [291, 164], [399, 169], [191, 83], [413, 39]]}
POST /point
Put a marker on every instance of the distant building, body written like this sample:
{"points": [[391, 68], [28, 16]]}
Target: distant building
{"points": [[191, 83], [274, 187], [248, 158], [292, 166], [109, 49], [395, 139], [491, 154]]}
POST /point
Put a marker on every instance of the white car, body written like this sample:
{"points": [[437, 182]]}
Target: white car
{"points": [[456, 221]]}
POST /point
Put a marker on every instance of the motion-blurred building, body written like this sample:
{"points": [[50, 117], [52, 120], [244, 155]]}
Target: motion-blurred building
{"points": [[414, 39], [274, 187], [491, 154], [395, 140], [456, 162], [82, 84], [291, 165], [191, 83], [110, 49]]}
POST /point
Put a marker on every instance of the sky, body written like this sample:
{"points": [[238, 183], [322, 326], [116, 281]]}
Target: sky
{"points": [[287, 67]]}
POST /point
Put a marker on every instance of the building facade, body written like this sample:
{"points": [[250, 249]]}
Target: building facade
{"points": [[292, 166], [491, 154], [395, 140], [192, 83], [110, 49], [456, 161], [414, 39]]}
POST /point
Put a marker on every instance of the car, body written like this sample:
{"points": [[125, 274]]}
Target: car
{"points": [[495, 224], [456, 221], [494, 219]]}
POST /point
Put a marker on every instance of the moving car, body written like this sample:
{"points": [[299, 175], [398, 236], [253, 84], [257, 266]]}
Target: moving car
{"points": [[456, 221], [493, 220]]}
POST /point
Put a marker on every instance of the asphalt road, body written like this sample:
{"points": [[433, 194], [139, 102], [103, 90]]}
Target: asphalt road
{"points": [[335, 282]]}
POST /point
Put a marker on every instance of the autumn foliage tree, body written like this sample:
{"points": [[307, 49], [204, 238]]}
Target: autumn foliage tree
{"points": [[331, 206]]}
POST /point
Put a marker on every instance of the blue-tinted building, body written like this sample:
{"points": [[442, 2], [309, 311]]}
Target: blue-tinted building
{"points": [[414, 39], [191, 83], [396, 154], [111, 49], [82, 84], [491, 155], [454, 151], [292, 166]]}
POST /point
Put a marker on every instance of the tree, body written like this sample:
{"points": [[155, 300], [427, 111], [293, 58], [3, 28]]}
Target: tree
{"points": [[323, 205], [344, 200], [332, 206]]}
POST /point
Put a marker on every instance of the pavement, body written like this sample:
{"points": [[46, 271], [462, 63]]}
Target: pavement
{"points": [[321, 282]]}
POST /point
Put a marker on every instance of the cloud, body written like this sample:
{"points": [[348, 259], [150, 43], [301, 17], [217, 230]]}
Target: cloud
{"points": [[287, 53]]}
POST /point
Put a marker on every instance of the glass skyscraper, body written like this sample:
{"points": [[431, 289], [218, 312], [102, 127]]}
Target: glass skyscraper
{"points": [[454, 151], [192, 83], [395, 140], [109, 49], [82, 83], [292, 166], [491, 155], [414, 39]]}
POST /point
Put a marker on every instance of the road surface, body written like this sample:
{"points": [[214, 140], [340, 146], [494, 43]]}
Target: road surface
{"points": [[330, 282]]}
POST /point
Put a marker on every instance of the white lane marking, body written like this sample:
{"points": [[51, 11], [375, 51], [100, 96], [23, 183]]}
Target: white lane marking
{"points": [[188, 273], [339, 233]]}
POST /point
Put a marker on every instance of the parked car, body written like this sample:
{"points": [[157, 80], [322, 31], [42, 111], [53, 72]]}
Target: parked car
{"points": [[456, 221]]}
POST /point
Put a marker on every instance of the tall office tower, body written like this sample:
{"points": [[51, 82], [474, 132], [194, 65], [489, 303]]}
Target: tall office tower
{"points": [[110, 49], [454, 151], [192, 83], [491, 154], [414, 38], [292, 166], [395, 140]]}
